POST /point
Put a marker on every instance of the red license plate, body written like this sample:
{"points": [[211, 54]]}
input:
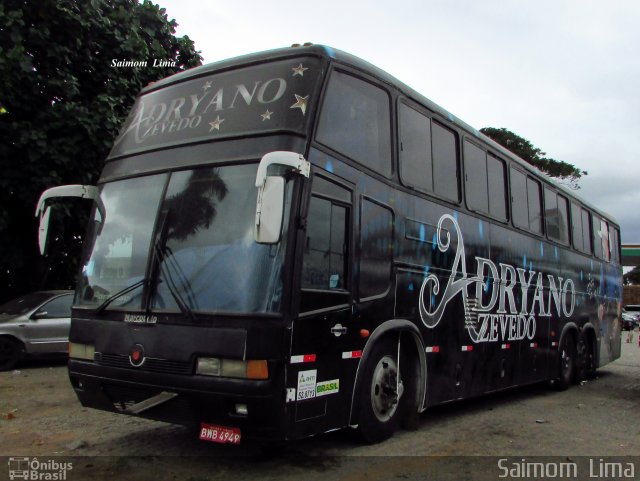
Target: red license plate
{"points": [[219, 434]]}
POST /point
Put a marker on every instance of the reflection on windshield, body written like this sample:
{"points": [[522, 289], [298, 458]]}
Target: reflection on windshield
{"points": [[118, 253], [202, 256], [209, 257]]}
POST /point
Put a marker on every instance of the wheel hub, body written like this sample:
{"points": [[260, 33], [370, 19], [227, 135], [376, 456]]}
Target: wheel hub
{"points": [[386, 389]]}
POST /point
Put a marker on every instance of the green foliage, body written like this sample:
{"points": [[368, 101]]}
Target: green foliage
{"points": [[565, 172], [61, 105]]}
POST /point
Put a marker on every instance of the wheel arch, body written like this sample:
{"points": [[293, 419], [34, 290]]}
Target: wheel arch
{"points": [[385, 330]]}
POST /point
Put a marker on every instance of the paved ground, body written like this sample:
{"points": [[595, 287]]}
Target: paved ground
{"points": [[40, 416]]}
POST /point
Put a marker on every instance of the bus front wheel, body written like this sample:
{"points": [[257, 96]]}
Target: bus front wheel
{"points": [[381, 393]]}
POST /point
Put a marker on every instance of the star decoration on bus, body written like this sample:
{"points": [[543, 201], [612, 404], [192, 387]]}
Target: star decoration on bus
{"points": [[301, 103], [206, 86], [215, 125], [267, 115], [299, 70]]}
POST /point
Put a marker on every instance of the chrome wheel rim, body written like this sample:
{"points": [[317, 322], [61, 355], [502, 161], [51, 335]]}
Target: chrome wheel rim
{"points": [[386, 389]]}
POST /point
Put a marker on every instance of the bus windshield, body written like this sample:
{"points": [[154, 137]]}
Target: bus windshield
{"points": [[202, 254]]}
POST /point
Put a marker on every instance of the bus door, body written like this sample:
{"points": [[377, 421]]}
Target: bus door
{"points": [[319, 379]]}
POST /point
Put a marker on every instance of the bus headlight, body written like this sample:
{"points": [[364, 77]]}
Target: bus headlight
{"points": [[213, 366], [81, 351]]}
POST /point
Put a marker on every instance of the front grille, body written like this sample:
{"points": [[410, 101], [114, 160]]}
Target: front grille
{"points": [[150, 364]]}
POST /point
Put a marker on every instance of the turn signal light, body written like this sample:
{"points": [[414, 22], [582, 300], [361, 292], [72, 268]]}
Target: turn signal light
{"points": [[257, 370]]}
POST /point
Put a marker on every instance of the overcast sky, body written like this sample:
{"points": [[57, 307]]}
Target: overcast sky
{"points": [[563, 74]]}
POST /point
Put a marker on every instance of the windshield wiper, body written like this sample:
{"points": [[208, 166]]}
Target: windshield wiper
{"points": [[159, 252], [118, 294]]}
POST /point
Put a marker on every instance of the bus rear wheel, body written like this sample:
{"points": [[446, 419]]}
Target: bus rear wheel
{"points": [[586, 361], [566, 363], [381, 393]]}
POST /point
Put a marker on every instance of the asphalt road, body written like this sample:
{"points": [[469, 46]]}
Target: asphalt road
{"points": [[40, 416]]}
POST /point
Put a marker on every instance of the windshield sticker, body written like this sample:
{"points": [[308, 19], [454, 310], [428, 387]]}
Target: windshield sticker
{"points": [[327, 387], [494, 313], [307, 384]]}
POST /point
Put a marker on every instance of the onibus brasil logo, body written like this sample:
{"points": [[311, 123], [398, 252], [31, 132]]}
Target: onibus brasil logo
{"points": [[33, 469], [515, 317]]}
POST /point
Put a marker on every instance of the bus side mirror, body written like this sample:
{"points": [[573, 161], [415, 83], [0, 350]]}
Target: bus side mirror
{"points": [[270, 206], [43, 229], [44, 212], [270, 210]]}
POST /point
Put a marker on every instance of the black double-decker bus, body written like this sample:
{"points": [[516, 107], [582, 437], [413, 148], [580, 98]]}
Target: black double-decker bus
{"points": [[293, 242]]}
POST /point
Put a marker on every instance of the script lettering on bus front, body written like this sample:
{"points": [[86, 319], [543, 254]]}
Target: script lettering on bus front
{"points": [[266, 97], [493, 313]]}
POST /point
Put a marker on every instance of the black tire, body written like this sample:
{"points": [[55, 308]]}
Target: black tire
{"points": [[11, 352], [585, 358], [380, 394], [566, 363]]}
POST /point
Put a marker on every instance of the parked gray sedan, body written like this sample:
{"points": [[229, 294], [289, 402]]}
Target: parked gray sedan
{"points": [[34, 324]]}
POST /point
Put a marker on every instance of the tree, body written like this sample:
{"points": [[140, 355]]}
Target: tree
{"points": [[632, 278], [61, 105], [565, 172]]}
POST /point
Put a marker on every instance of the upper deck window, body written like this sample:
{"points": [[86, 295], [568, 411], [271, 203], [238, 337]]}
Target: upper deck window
{"points": [[428, 156], [355, 121], [525, 202]]}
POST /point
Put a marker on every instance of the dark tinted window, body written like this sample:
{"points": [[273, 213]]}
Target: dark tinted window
{"points": [[615, 245], [58, 307], [445, 162], [563, 219], [551, 213], [416, 167], [576, 227], [535, 210], [586, 231], [601, 239], [519, 209], [376, 238], [497, 187], [325, 246], [475, 174], [556, 214], [355, 121], [24, 304]]}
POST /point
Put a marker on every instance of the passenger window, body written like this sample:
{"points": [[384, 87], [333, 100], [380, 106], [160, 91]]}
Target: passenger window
{"points": [[355, 121], [519, 209], [551, 214], [497, 187], [601, 239], [325, 246], [428, 155], [445, 162], [58, 307], [475, 174], [525, 202], [576, 227], [556, 216], [586, 231], [416, 166], [535, 210], [376, 239], [563, 219]]}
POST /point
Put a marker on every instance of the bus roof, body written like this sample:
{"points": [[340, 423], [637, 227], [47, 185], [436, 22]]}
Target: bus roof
{"points": [[344, 58]]}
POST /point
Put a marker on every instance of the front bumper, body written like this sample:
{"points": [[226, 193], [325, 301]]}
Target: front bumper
{"points": [[199, 398]]}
